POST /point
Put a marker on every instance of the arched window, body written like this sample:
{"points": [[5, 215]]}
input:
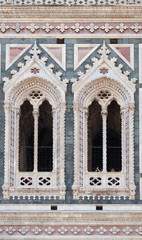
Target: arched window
{"points": [[96, 148], [103, 147], [45, 139], [114, 138], [35, 141], [94, 137], [26, 138]]}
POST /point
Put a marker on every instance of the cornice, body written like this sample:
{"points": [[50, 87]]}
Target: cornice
{"points": [[93, 218], [69, 12]]}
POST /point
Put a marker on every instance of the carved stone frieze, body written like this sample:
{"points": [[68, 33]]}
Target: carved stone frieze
{"points": [[90, 223]]}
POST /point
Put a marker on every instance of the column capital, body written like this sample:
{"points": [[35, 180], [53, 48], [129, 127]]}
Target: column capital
{"points": [[35, 112], [104, 112]]}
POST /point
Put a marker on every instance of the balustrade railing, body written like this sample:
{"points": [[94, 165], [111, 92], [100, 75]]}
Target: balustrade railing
{"points": [[71, 2]]}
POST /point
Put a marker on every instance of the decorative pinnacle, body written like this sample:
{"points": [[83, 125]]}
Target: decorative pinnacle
{"points": [[35, 51], [104, 50]]}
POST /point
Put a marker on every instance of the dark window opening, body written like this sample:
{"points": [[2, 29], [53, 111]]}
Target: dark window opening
{"points": [[99, 208], [26, 138], [53, 207], [45, 139], [114, 138], [113, 41], [95, 137], [60, 40]]}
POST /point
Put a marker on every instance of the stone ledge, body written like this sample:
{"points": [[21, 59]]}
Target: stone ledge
{"points": [[75, 218], [69, 12]]}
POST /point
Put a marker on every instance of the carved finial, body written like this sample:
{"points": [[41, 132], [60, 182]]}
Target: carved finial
{"points": [[104, 50], [35, 51]]}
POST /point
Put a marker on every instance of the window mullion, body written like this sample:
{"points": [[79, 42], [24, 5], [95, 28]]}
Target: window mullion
{"points": [[35, 114], [104, 121]]}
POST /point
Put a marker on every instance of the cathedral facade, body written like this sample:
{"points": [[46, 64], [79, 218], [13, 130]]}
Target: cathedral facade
{"points": [[71, 119]]}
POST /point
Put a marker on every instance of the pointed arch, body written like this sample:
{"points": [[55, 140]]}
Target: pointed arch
{"points": [[39, 180], [103, 181]]}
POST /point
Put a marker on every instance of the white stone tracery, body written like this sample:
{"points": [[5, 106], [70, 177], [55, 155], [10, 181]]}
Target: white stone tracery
{"points": [[25, 85], [90, 87]]}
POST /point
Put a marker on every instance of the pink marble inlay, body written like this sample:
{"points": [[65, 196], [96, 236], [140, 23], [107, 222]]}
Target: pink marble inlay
{"points": [[82, 52], [125, 51], [14, 52], [57, 52]]}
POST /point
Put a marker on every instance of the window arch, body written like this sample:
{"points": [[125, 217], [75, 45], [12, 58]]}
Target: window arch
{"points": [[96, 149], [104, 145], [26, 138], [34, 136], [45, 138]]}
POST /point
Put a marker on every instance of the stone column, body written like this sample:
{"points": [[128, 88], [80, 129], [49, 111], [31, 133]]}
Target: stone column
{"points": [[7, 153], [36, 115], [104, 121], [132, 186], [75, 186], [62, 152]]}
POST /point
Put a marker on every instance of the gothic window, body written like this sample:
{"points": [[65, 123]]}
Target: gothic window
{"points": [[26, 138], [34, 130], [33, 140], [45, 139], [114, 138], [103, 147], [96, 149]]}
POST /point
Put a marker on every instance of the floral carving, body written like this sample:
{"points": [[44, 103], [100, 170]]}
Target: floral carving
{"points": [[18, 27], [121, 27], [32, 27], [101, 230], [35, 70], [104, 50], [13, 72], [47, 27], [139, 230], [77, 27], [10, 230], [106, 27], [23, 230], [88, 230], [3, 27], [92, 27], [62, 230], [136, 27], [36, 230], [62, 27], [127, 230], [114, 230], [49, 230], [35, 50], [103, 70], [75, 230]]}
